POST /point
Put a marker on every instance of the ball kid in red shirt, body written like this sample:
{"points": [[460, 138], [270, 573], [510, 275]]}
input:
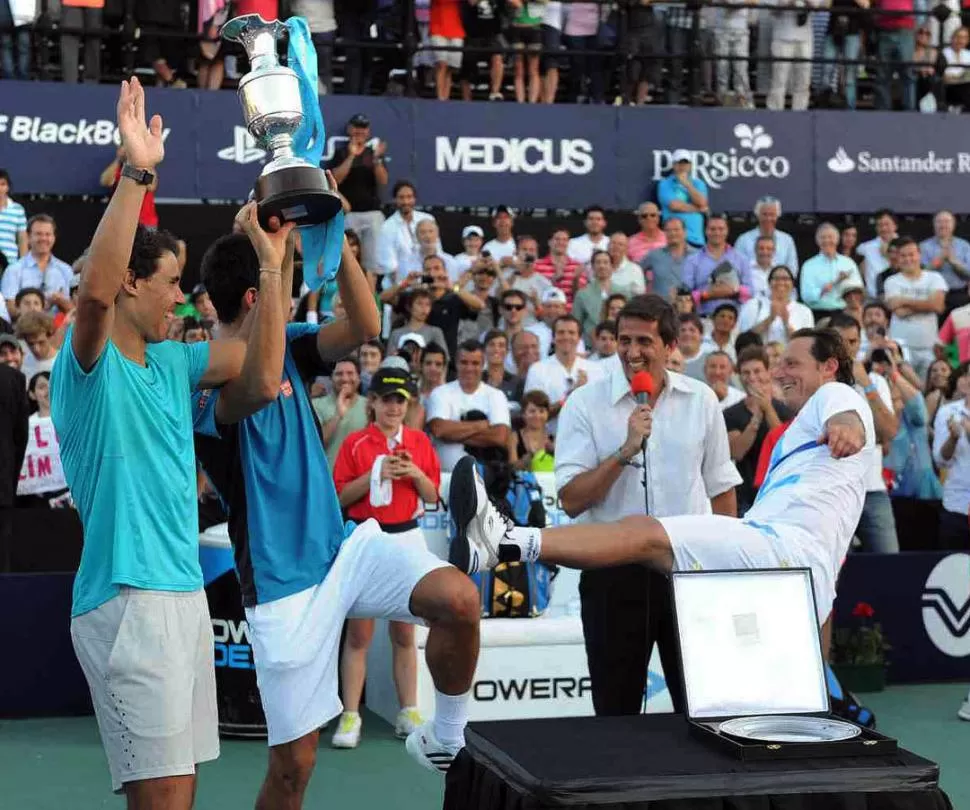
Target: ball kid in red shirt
{"points": [[387, 471]]}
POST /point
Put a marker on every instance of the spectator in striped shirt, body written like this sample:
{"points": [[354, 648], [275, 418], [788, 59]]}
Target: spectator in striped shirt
{"points": [[563, 272], [13, 223]]}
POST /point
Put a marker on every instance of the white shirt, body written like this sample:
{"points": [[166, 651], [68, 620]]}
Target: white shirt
{"points": [[556, 381], [581, 247], [449, 402], [397, 240], [805, 489], [499, 250], [956, 488], [542, 331], [874, 480], [875, 262], [628, 278], [755, 310], [919, 330], [785, 250], [688, 457]]}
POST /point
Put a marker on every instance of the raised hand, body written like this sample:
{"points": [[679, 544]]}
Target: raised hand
{"points": [[270, 246], [141, 141]]}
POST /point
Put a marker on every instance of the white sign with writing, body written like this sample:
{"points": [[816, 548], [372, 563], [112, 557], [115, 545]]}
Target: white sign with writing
{"points": [[42, 471]]}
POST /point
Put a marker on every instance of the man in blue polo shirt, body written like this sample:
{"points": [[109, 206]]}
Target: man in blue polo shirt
{"points": [[301, 571], [685, 197], [120, 405]]}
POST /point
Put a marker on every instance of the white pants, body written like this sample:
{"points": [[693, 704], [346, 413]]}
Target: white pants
{"points": [[296, 639], [800, 73], [732, 42]]}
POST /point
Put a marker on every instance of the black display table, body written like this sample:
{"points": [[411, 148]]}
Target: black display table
{"points": [[649, 762]]}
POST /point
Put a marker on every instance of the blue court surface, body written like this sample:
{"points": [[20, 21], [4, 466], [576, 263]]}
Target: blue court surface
{"points": [[57, 764]]}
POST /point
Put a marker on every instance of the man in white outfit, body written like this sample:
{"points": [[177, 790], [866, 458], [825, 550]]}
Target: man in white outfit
{"points": [[804, 516], [791, 38]]}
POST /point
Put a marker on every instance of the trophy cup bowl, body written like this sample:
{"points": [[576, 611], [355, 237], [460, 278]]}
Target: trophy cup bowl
{"points": [[288, 187]]}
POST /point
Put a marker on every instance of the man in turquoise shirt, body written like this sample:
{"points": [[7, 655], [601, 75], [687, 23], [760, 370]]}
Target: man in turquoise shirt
{"points": [[685, 197], [121, 407]]}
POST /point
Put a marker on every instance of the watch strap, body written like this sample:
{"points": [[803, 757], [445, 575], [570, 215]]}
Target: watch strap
{"points": [[141, 176]]}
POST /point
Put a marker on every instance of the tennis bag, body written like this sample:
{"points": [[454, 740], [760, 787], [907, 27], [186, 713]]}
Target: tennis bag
{"points": [[845, 705], [518, 590]]}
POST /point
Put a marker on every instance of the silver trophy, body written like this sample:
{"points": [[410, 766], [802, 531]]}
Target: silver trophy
{"points": [[288, 188]]}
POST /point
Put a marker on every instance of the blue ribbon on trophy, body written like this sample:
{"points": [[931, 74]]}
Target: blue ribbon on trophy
{"points": [[282, 112]]}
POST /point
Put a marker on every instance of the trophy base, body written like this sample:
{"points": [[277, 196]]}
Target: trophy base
{"points": [[299, 194]]}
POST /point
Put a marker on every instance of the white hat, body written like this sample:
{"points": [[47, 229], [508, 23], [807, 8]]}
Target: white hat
{"points": [[411, 337], [681, 155], [472, 230], [553, 296]]}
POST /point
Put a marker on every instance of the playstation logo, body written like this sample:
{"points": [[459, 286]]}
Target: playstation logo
{"points": [[243, 149], [946, 605], [841, 163]]}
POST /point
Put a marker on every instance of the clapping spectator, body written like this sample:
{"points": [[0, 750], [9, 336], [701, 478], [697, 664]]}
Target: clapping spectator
{"points": [[824, 274], [532, 447], [778, 317], [750, 420], [948, 255], [344, 410], [951, 450]]}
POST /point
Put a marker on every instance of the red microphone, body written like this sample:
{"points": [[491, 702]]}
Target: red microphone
{"points": [[642, 387]]}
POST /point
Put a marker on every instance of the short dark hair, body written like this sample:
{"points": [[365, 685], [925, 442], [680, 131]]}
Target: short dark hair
{"points": [[783, 267], [605, 326], [590, 209], [525, 237], [877, 304], [494, 334], [750, 353], [513, 294], [189, 323], [535, 397], [827, 344], [45, 219], [148, 248], [230, 267], [717, 353], [690, 317], [724, 307], [348, 358], [471, 346], [840, 320], [905, 241], [433, 348], [23, 292], [5, 175], [652, 309], [884, 212], [403, 184], [747, 340], [567, 319]]}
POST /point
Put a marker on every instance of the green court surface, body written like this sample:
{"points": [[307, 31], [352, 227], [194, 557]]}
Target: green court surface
{"points": [[57, 764]]}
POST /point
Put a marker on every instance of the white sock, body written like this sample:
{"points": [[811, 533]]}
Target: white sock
{"points": [[450, 718], [527, 541]]}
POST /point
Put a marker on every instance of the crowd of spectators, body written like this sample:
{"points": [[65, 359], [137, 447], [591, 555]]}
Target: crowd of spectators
{"points": [[498, 334], [912, 53]]}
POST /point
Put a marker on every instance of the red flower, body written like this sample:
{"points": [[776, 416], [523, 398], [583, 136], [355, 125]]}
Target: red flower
{"points": [[863, 610]]}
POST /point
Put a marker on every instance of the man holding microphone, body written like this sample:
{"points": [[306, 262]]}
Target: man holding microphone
{"points": [[605, 438]]}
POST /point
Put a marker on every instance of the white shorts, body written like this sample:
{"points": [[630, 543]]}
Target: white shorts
{"points": [[718, 542], [296, 639], [450, 58], [148, 660]]}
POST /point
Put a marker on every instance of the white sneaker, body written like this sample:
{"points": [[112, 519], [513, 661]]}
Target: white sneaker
{"points": [[479, 526], [408, 719], [347, 734], [964, 713], [424, 747]]}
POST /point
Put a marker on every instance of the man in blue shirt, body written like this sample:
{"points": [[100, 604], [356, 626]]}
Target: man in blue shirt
{"points": [[301, 571], [685, 197], [120, 405]]}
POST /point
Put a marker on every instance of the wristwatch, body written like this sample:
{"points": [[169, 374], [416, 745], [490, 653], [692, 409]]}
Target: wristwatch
{"points": [[141, 176], [624, 461]]}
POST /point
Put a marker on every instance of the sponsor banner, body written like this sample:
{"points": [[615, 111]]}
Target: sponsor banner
{"points": [[922, 601], [907, 162], [57, 138]]}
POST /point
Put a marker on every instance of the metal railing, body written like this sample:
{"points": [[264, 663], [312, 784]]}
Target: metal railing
{"points": [[399, 41]]}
